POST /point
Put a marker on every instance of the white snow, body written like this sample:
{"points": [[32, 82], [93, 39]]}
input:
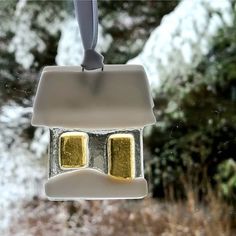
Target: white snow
{"points": [[70, 49], [25, 37], [21, 169], [24, 40], [182, 38], [176, 46]]}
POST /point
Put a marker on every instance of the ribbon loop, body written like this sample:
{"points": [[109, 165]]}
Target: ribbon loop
{"points": [[87, 16]]}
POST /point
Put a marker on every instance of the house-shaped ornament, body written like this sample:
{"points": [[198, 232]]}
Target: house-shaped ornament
{"points": [[96, 120]]}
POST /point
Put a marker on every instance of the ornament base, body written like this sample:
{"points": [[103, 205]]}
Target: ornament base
{"points": [[91, 184]]}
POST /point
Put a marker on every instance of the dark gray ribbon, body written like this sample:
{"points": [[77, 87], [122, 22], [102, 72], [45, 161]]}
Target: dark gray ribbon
{"points": [[87, 15]]}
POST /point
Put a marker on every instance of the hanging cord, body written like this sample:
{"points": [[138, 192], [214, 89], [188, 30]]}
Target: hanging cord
{"points": [[87, 15]]}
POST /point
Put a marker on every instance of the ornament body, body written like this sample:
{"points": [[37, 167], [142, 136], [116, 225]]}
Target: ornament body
{"points": [[96, 120]]}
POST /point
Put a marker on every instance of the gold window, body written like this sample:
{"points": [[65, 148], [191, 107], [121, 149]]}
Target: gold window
{"points": [[73, 149], [121, 155]]}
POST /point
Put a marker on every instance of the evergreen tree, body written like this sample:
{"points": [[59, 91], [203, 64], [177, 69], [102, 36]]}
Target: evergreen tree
{"points": [[196, 140]]}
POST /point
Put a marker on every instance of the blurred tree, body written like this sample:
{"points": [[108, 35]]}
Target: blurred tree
{"points": [[31, 32], [28, 41], [195, 140], [130, 23], [32, 29]]}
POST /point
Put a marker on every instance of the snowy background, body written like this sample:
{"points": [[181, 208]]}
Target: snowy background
{"points": [[34, 34]]}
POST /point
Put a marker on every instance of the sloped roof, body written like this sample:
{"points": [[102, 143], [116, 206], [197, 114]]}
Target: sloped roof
{"points": [[117, 97]]}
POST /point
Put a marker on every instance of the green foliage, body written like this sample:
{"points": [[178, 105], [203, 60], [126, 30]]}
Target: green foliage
{"points": [[194, 140], [226, 178]]}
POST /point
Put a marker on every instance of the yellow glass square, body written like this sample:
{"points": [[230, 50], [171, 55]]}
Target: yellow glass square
{"points": [[121, 155], [73, 149]]}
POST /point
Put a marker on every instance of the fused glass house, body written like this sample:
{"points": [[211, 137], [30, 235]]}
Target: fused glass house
{"points": [[96, 120]]}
